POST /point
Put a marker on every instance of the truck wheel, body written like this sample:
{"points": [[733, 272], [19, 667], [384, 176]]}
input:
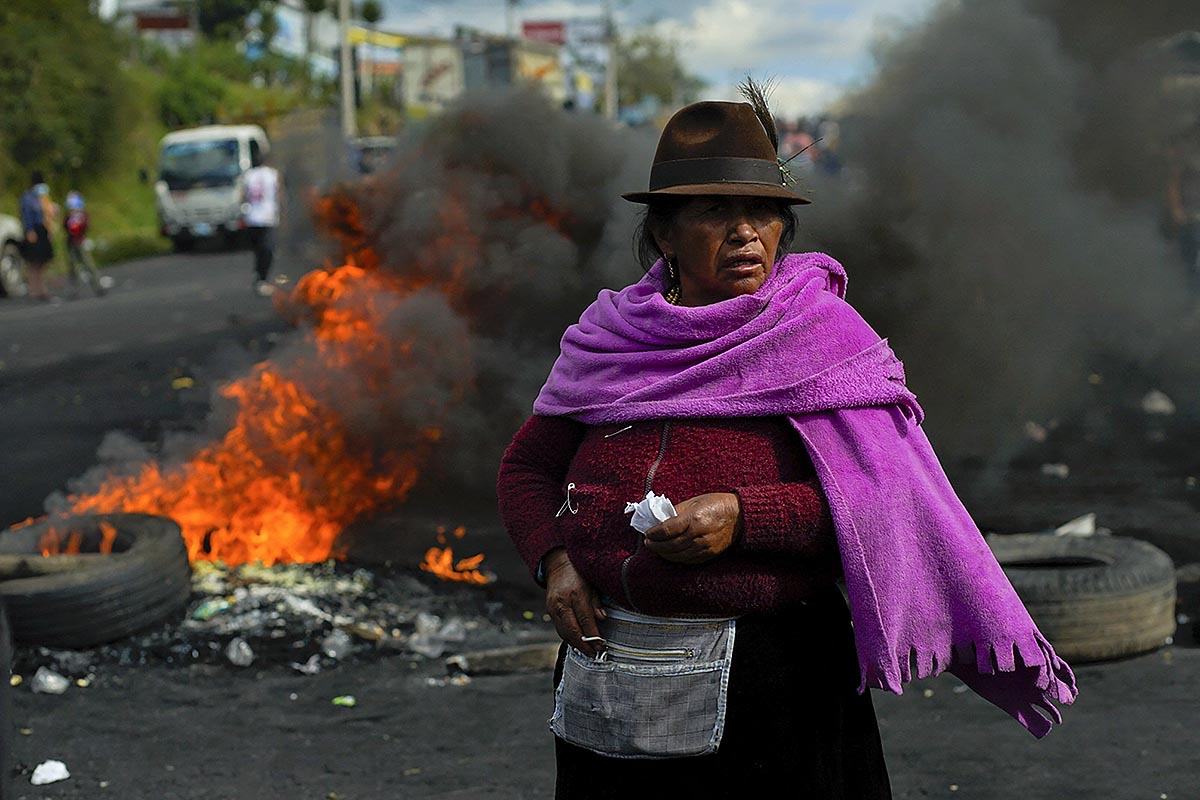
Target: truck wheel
{"points": [[82, 600], [1096, 597], [12, 281]]}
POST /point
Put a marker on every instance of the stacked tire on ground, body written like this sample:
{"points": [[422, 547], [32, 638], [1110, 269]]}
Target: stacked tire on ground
{"points": [[79, 601], [1094, 597]]}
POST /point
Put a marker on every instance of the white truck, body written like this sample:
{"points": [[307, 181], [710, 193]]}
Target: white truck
{"points": [[199, 188], [12, 272]]}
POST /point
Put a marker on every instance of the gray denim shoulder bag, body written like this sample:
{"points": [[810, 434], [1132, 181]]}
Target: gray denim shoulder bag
{"points": [[658, 690]]}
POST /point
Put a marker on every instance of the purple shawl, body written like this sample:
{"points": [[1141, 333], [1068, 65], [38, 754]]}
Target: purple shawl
{"points": [[926, 593]]}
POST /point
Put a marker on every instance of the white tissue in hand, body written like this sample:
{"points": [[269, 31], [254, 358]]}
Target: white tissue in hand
{"points": [[653, 509]]}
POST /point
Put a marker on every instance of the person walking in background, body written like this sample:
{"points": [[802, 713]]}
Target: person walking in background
{"points": [[79, 257], [261, 195], [37, 215]]}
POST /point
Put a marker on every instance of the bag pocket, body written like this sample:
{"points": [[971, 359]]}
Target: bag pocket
{"points": [[645, 702]]}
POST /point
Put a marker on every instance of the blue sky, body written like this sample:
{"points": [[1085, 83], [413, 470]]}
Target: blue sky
{"points": [[816, 49]]}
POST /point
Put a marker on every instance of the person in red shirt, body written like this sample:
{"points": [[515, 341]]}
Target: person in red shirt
{"points": [[79, 257], [751, 538]]}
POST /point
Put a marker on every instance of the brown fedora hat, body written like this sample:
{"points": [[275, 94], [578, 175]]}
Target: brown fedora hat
{"points": [[716, 148]]}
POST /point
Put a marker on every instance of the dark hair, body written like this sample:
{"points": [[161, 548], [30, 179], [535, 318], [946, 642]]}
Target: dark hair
{"points": [[36, 177], [660, 213]]}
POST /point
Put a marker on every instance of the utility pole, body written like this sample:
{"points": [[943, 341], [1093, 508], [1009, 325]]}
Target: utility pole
{"points": [[510, 25], [345, 68], [610, 74]]}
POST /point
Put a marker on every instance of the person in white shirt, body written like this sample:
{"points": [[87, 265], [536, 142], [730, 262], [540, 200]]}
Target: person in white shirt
{"points": [[262, 204]]}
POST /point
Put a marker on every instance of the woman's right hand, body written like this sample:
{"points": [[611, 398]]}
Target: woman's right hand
{"points": [[572, 603]]}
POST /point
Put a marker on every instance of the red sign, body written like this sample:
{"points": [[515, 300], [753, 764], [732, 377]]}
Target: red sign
{"points": [[548, 32], [163, 22]]}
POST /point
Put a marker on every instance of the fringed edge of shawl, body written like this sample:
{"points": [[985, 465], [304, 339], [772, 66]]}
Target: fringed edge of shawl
{"points": [[1054, 681]]}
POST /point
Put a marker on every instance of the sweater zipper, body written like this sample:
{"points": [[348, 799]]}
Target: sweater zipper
{"points": [[662, 452]]}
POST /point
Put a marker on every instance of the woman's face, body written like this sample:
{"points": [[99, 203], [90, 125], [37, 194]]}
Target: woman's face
{"points": [[722, 246]]}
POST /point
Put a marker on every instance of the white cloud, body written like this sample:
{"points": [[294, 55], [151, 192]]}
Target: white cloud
{"points": [[790, 96]]}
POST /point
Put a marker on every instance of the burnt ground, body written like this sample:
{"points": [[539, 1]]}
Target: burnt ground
{"points": [[156, 723]]}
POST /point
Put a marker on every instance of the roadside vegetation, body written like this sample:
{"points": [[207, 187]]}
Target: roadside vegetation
{"points": [[86, 104]]}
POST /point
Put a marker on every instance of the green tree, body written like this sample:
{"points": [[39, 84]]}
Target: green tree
{"points": [[371, 12], [225, 19], [63, 96], [268, 26], [648, 65]]}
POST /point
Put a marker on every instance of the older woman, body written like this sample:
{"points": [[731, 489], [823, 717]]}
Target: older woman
{"points": [[761, 435]]}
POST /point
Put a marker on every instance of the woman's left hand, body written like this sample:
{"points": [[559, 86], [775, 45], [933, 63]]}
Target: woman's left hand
{"points": [[702, 529]]}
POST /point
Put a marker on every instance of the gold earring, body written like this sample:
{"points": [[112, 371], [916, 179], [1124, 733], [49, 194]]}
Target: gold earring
{"points": [[674, 288]]}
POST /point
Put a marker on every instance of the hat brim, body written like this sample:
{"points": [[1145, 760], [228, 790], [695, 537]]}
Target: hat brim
{"points": [[731, 189]]}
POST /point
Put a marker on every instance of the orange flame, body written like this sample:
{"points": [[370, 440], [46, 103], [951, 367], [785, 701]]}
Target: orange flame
{"points": [[440, 561], [290, 474]]}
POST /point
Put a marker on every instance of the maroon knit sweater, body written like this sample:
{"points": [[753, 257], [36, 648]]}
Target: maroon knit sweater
{"points": [[787, 552]]}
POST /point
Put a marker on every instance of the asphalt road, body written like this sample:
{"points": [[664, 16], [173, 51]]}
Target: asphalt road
{"points": [[72, 371]]}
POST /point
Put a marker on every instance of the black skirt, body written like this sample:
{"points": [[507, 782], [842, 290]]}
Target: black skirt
{"points": [[40, 250], [795, 727]]}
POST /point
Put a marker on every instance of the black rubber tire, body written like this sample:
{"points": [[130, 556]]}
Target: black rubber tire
{"points": [[1094, 597], [120, 594]]}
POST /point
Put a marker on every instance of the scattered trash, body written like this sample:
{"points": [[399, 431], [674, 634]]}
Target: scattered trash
{"points": [[408, 773], [309, 618], [345, 701], [83, 683], [239, 652], [74, 663], [182, 383], [1191, 482], [962, 688], [1155, 402], [210, 608], [15, 680], [107, 282], [366, 630], [527, 614], [49, 772], [310, 667], [1095, 379], [453, 680], [47, 681], [337, 645], [1080, 526], [431, 635], [927, 693], [1056, 470], [1182, 619]]}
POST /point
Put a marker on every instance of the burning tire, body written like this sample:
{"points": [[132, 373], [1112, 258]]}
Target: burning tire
{"points": [[1095, 597], [124, 572]]}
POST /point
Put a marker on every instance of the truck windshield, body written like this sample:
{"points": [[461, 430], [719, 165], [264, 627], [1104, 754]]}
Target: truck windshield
{"points": [[187, 165]]}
